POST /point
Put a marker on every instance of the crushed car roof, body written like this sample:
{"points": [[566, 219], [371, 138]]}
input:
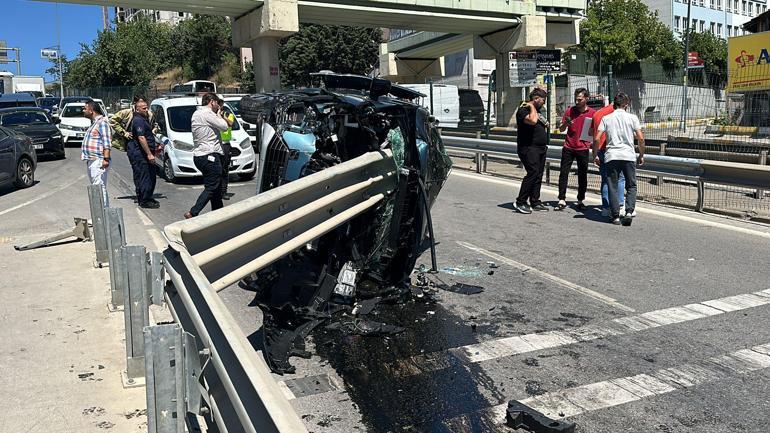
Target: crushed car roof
{"points": [[375, 86]]}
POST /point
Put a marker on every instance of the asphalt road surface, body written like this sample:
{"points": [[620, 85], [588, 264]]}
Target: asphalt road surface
{"points": [[657, 327]]}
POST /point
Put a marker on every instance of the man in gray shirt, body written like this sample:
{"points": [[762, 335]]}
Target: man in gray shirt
{"points": [[621, 127], [208, 123]]}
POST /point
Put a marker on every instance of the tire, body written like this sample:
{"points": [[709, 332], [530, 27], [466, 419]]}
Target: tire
{"points": [[255, 107], [25, 173], [168, 170]]}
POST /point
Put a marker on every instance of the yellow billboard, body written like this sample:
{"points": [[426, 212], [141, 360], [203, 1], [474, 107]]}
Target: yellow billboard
{"points": [[748, 62]]}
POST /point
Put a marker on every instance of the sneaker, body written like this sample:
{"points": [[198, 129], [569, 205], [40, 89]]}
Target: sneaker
{"points": [[632, 214], [540, 207], [562, 204], [580, 205], [627, 220], [149, 205], [152, 200], [615, 221], [605, 212], [622, 209], [522, 208]]}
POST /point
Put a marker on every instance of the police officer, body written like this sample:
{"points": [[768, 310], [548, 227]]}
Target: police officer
{"points": [[141, 154]]}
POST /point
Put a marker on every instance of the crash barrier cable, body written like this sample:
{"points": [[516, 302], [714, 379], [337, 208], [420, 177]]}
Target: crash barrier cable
{"points": [[742, 177]]}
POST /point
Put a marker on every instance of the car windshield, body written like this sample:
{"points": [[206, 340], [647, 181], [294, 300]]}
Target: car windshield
{"points": [[24, 118], [47, 102], [236, 106], [73, 111], [180, 118], [470, 99]]}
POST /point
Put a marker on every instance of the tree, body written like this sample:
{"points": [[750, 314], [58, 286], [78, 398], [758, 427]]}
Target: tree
{"points": [[53, 69], [626, 31], [348, 50], [248, 85], [199, 45]]}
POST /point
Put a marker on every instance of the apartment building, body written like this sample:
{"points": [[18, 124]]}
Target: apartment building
{"points": [[724, 18], [129, 14]]}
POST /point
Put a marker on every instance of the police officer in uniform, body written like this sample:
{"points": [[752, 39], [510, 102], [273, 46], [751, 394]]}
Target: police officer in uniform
{"points": [[141, 154]]}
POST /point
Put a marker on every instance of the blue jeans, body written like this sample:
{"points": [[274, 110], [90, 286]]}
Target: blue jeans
{"points": [[605, 188]]}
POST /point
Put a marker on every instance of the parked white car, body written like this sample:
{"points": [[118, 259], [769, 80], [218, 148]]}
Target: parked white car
{"points": [[174, 154], [73, 124]]}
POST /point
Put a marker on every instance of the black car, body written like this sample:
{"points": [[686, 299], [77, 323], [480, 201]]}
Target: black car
{"points": [[17, 159], [8, 100], [471, 109], [36, 124], [49, 103]]}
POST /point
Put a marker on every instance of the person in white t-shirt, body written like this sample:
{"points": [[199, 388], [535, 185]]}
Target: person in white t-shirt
{"points": [[621, 127]]}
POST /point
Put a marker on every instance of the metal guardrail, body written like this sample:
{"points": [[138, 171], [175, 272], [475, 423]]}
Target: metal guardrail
{"points": [[210, 252], [718, 172]]}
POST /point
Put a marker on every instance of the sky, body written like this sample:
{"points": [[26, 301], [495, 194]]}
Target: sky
{"points": [[31, 26]]}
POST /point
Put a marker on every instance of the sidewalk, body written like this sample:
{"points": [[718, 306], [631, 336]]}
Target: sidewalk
{"points": [[62, 351]]}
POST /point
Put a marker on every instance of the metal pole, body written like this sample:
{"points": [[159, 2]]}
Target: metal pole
{"points": [[489, 104], [18, 61], [96, 202], [136, 311], [61, 73], [609, 82], [683, 122], [430, 82]]}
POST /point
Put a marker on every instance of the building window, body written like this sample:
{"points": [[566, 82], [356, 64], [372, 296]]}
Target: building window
{"points": [[751, 8], [719, 5], [702, 26], [735, 6], [719, 30], [743, 9], [677, 27], [702, 3], [729, 31], [712, 28], [712, 4]]}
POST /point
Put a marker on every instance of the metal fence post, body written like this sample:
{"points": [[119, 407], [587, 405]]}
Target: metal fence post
{"points": [[136, 312], [701, 196], [116, 239], [96, 202], [172, 365], [155, 278], [663, 153], [760, 193]]}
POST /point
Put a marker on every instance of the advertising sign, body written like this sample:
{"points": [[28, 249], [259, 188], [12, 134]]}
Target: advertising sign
{"points": [[49, 54], [522, 68], [694, 60], [748, 62]]}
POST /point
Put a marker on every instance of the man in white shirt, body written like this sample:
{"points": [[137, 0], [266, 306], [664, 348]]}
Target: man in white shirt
{"points": [[621, 127], [208, 123]]}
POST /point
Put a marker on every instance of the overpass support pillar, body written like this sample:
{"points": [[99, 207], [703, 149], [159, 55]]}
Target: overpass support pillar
{"points": [[528, 35], [408, 70], [261, 30]]}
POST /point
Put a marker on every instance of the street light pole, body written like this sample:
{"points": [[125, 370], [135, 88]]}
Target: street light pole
{"points": [[683, 121]]}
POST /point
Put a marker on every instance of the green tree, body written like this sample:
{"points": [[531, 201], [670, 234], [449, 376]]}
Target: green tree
{"points": [[200, 44], [348, 50], [713, 50], [53, 69], [626, 31], [248, 85]]}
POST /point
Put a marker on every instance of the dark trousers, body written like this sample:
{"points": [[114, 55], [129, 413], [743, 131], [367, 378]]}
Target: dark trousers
{"points": [[533, 159], [628, 168], [567, 157], [211, 168], [144, 174], [225, 168]]}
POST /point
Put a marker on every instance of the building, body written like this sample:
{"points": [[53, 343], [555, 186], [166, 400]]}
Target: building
{"points": [[760, 23], [724, 18], [129, 14]]}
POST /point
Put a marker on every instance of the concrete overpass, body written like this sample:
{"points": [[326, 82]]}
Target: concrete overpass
{"points": [[491, 27]]}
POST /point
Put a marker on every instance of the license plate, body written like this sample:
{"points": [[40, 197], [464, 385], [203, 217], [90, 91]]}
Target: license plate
{"points": [[38, 146], [79, 135]]}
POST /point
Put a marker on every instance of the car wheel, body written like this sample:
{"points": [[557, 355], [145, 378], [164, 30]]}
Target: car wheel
{"points": [[168, 170], [25, 173], [247, 176]]}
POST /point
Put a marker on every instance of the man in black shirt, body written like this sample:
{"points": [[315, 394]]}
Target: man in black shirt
{"points": [[141, 154], [532, 142]]}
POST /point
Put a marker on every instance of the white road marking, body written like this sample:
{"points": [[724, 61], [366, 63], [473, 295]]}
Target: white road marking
{"points": [[639, 209], [519, 344], [546, 276], [160, 241], [614, 392], [144, 217], [42, 196]]}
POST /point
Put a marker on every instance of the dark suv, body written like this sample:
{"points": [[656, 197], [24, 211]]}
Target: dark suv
{"points": [[471, 109], [17, 159], [36, 124]]}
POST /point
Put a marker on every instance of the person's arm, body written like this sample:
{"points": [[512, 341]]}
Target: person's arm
{"points": [[107, 140], [598, 133], [532, 117], [217, 122], [139, 133], [565, 121], [640, 138], [117, 121]]}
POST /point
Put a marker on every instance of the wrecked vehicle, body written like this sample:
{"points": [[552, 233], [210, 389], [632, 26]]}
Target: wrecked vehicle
{"points": [[301, 132]]}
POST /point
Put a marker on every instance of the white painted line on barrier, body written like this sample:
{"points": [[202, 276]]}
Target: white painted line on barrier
{"points": [[285, 390], [546, 276], [42, 196], [614, 392], [642, 210]]}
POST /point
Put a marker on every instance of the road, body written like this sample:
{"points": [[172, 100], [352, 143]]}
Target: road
{"points": [[620, 329]]}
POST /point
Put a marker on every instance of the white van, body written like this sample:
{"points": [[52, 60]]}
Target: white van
{"points": [[446, 102], [195, 86]]}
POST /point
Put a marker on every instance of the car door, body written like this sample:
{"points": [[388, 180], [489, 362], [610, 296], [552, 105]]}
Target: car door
{"points": [[160, 138], [7, 155]]}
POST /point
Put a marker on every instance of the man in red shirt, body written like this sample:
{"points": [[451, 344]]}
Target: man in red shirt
{"points": [[577, 121], [598, 157]]}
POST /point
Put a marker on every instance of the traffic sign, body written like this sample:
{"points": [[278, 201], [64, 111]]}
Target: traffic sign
{"points": [[694, 60], [522, 68], [49, 54], [548, 61]]}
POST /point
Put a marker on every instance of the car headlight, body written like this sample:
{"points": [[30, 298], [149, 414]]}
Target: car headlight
{"points": [[67, 127], [181, 145], [56, 137], [245, 143]]}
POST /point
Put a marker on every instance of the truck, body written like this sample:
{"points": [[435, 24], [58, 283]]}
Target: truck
{"points": [[10, 83]]}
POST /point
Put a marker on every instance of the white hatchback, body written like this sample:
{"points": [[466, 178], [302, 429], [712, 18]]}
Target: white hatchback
{"points": [[174, 153]]}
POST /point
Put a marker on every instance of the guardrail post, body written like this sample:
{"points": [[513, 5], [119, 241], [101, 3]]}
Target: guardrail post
{"points": [[136, 313], [701, 196], [662, 152], [96, 202], [116, 239], [155, 278], [760, 193]]}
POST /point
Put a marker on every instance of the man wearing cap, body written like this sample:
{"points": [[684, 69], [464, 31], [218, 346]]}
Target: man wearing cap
{"points": [[208, 123]]}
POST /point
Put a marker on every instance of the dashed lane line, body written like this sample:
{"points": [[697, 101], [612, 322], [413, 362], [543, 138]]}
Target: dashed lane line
{"points": [[552, 278]]}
